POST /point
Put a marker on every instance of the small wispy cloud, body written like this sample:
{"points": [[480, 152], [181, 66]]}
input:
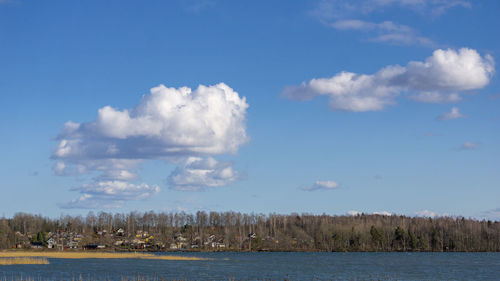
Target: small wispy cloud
{"points": [[468, 146], [383, 213], [453, 114], [427, 213], [493, 214], [358, 213], [387, 32], [436, 97], [197, 6], [331, 9], [354, 213], [440, 6], [109, 194], [348, 15], [495, 97], [322, 185]]}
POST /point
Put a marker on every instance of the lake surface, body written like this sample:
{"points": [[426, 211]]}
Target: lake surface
{"points": [[274, 266]]}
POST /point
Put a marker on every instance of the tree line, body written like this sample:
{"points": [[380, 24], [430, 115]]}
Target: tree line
{"points": [[273, 232]]}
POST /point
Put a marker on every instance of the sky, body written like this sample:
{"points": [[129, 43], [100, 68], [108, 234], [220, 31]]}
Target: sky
{"points": [[328, 106]]}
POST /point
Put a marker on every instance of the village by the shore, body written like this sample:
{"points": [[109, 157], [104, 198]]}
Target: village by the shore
{"points": [[119, 240]]}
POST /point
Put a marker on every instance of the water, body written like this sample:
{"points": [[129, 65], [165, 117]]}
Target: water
{"points": [[275, 266]]}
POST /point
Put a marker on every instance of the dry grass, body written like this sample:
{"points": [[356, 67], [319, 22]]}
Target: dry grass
{"points": [[92, 255], [23, 260]]}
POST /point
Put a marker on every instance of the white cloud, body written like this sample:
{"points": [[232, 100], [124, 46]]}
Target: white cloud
{"points": [[322, 185], [198, 173], [110, 194], [427, 213], [388, 26], [357, 213], [334, 9], [382, 213], [403, 38], [453, 114], [437, 79], [468, 146], [197, 6], [354, 213], [166, 124], [440, 6], [436, 97], [493, 214], [59, 168], [347, 16], [386, 31]]}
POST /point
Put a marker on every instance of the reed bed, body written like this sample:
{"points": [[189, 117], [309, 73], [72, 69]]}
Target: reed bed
{"points": [[23, 260], [93, 255], [88, 278]]}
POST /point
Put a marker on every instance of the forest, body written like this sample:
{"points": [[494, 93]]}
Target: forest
{"points": [[233, 231]]}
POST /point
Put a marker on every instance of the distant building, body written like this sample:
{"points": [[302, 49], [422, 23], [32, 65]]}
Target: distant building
{"points": [[120, 232], [51, 243]]}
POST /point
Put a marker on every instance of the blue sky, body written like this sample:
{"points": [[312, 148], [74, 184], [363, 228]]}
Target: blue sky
{"points": [[325, 107]]}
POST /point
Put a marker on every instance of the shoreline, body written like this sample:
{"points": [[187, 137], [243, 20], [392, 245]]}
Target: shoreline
{"points": [[92, 255], [145, 252]]}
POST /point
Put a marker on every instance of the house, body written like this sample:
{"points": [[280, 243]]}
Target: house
{"points": [[142, 234], [51, 243], [120, 232], [72, 244]]}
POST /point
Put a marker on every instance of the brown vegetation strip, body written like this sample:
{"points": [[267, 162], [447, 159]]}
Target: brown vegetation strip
{"points": [[23, 260], [93, 255]]}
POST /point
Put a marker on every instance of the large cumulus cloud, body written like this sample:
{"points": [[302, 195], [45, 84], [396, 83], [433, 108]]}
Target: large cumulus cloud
{"points": [[440, 78], [168, 123]]}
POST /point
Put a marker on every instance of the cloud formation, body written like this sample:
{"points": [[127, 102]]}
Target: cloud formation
{"points": [[468, 146], [322, 185], [453, 114], [110, 194], [437, 79], [354, 213], [382, 213], [166, 124], [347, 16], [335, 9], [358, 213], [427, 213], [197, 174], [387, 32], [493, 214]]}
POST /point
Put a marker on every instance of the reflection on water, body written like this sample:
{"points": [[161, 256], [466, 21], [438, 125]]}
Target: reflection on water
{"points": [[272, 266]]}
